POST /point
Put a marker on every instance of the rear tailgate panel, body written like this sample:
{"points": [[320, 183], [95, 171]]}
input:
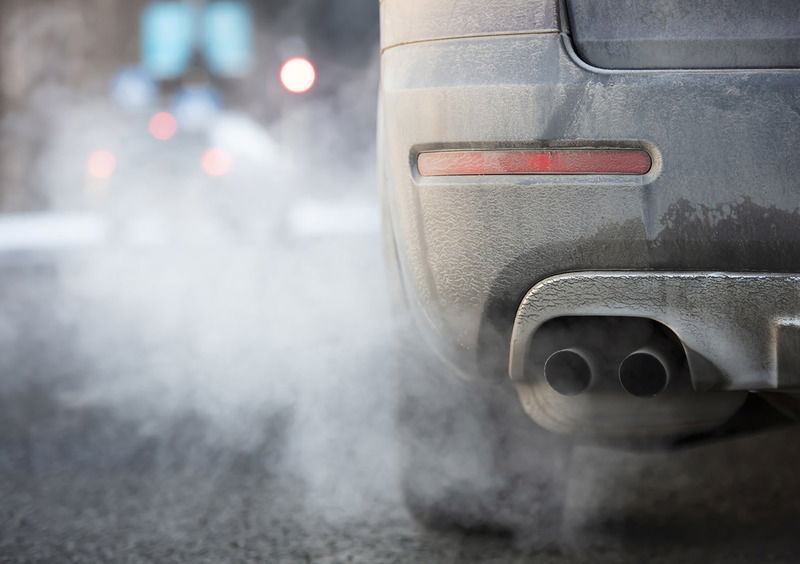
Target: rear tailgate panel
{"points": [[651, 34]]}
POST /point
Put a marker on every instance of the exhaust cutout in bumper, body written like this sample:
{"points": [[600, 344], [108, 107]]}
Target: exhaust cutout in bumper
{"points": [[673, 353]]}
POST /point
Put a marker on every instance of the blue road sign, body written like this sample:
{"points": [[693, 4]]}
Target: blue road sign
{"points": [[167, 38], [227, 37]]}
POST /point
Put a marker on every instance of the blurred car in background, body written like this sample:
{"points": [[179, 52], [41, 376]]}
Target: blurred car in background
{"points": [[595, 204]]}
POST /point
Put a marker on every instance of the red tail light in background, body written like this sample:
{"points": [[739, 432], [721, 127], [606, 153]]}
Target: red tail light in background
{"points": [[101, 164], [216, 162], [163, 126], [541, 161]]}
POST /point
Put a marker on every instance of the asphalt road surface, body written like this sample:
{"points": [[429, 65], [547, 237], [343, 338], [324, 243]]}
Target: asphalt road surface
{"points": [[251, 423]]}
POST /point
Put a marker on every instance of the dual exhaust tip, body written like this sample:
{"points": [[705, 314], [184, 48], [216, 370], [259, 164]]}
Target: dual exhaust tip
{"points": [[643, 373]]}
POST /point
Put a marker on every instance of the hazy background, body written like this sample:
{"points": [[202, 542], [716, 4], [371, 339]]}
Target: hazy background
{"points": [[242, 310]]}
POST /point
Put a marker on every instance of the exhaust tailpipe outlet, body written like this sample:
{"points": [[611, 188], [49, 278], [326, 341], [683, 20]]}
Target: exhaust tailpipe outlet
{"points": [[645, 373], [568, 371], [609, 377]]}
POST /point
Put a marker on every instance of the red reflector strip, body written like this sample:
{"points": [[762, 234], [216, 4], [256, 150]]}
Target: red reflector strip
{"points": [[566, 161]]}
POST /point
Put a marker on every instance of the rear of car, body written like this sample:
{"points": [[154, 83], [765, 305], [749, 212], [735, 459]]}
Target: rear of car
{"points": [[598, 200]]}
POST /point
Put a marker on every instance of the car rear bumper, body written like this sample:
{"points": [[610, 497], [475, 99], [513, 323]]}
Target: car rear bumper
{"points": [[738, 332], [722, 194]]}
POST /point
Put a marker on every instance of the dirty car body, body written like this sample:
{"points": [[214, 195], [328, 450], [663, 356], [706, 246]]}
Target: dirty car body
{"points": [[647, 299]]}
